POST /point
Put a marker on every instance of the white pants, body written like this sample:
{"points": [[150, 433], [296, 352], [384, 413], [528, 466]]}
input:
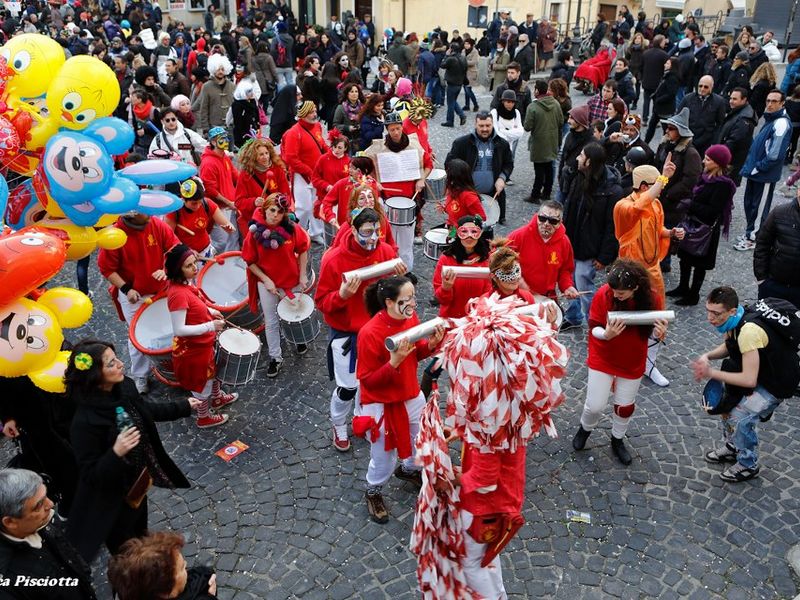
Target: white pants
{"points": [[221, 239], [140, 364], [272, 329], [404, 237], [340, 409], [381, 461], [488, 580], [304, 196], [598, 391]]}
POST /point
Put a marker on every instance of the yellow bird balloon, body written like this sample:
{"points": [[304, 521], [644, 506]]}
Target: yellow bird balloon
{"points": [[33, 61], [85, 89]]}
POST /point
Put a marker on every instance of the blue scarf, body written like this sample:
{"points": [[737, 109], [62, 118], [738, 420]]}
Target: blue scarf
{"points": [[732, 321]]}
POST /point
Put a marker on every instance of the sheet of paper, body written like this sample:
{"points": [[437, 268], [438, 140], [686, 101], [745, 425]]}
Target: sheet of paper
{"points": [[399, 166]]}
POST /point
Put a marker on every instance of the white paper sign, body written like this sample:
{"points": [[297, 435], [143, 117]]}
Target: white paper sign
{"points": [[399, 166], [14, 7]]}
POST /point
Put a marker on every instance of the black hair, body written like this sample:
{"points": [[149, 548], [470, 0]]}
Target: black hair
{"points": [[368, 215], [82, 382], [777, 91], [563, 56], [459, 176], [363, 164], [378, 292], [167, 111], [482, 248], [597, 167], [724, 295], [627, 274], [743, 91], [173, 262], [540, 85]]}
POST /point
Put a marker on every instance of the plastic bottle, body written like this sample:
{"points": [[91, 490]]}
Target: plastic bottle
{"points": [[124, 420]]}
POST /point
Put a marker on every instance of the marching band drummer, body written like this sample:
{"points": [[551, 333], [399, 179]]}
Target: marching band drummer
{"points": [[390, 393], [340, 194], [192, 224], [361, 197], [617, 352], [461, 197], [263, 173], [195, 326], [276, 252], [342, 306], [330, 167]]}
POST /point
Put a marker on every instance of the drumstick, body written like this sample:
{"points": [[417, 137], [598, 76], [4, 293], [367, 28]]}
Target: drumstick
{"points": [[390, 189], [186, 229]]}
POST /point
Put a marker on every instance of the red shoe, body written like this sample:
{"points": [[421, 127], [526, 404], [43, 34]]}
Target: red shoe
{"points": [[211, 421], [340, 440], [224, 399]]}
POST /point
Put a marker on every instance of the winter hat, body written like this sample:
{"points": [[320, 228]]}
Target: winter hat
{"points": [[403, 87], [201, 44], [742, 56], [720, 154], [511, 95], [680, 122], [580, 114], [684, 43], [305, 109], [176, 101], [281, 27], [634, 120], [644, 174]]}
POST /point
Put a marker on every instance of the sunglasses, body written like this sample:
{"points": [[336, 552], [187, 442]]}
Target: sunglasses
{"points": [[465, 232], [552, 220], [170, 120]]}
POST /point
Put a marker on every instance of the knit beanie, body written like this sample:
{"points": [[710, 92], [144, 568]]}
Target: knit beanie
{"points": [[720, 154]]}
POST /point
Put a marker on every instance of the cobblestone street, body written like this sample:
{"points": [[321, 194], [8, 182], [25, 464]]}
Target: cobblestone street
{"points": [[287, 518]]}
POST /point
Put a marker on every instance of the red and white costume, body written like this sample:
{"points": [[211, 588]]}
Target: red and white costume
{"points": [[199, 222], [453, 302], [193, 344], [135, 262], [327, 172], [219, 178], [545, 264], [252, 186], [301, 147], [282, 266]]}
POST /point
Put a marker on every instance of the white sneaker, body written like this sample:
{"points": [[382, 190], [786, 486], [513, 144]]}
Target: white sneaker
{"points": [[418, 241], [141, 385], [656, 377], [744, 245]]}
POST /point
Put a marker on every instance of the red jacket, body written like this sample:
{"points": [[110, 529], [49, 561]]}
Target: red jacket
{"points": [[248, 189], [465, 204], [339, 198], [301, 147], [422, 134], [328, 171], [351, 314], [218, 174], [141, 255], [453, 302], [199, 221], [505, 470], [544, 264]]}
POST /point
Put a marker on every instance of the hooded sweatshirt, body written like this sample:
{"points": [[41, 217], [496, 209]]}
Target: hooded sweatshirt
{"points": [[218, 174], [544, 263]]}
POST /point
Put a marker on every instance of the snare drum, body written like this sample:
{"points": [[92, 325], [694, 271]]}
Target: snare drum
{"points": [[435, 243], [151, 334], [329, 233], [435, 184], [237, 356], [492, 210], [224, 282], [312, 278], [401, 211], [299, 321]]}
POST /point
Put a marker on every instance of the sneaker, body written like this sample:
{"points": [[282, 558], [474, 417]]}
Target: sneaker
{"points": [[377, 508], [722, 455], [579, 441], [141, 385], [418, 241], [274, 367], [567, 325], [620, 451], [463, 119], [744, 245], [509, 182], [737, 473], [741, 237], [224, 399], [301, 349], [656, 377], [414, 477], [340, 440], [446, 124], [211, 420]]}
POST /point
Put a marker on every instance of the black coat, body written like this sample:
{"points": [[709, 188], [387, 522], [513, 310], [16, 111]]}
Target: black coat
{"points": [[721, 72], [617, 151], [625, 86], [245, 120], [197, 584], [56, 558], [523, 95], [758, 96], [455, 69], [739, 77], [683, 64], [525, 59], [284, 109], [573, 144], [466, 148], [688, 166], [737, 134], [706, 116], [708, 205], [106, 478], [666, 92], [562, 71], [700, 59], [653, 60], [589, 219], [777, 251]]}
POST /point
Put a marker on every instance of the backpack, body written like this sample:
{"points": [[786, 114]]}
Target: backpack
{"points": [[202, 61], [281, 58]]}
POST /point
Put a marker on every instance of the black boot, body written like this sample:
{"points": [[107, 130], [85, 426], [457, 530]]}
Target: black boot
{"points": [[692, 297], [683, 286], [620, 451], [426, 384], [579, 441]]}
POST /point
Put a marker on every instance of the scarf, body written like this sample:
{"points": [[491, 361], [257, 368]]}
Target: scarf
{"points": [[143, 111], [270, 239], [727, 211], [351, 110], [508, 115], [397, 146]]}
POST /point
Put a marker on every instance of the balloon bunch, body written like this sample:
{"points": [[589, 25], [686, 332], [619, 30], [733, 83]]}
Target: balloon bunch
{"points": [[55, 128]]}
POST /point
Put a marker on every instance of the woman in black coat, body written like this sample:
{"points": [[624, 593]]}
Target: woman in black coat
{"points": [[284, 110], [114, 465], [712, 204], [663, 99]]}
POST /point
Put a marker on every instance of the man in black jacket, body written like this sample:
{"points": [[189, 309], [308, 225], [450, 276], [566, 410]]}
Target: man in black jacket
{"points": [[653, 60], [455, 70], [525, 56], [721, 70], [36, 560], [706, 114], [490, 157], [579, 135], [737, 131], [513, 82], [776, 271]]}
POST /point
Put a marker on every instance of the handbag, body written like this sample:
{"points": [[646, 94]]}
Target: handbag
{"points": [[262, 116], [697, 236], [138, 491]]}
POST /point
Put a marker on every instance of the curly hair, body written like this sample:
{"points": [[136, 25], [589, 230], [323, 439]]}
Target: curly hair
{"points": [[249, 152], [353, 202], [558, 87], [145, 567], [369, 105], [346, 87]]}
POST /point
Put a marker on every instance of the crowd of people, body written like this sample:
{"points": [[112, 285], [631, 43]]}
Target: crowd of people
{"points": [[320, 136]]}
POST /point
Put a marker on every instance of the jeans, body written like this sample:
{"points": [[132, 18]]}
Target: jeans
{"points": [[753, 192], [681, 93], [82, 273], [584, 282], [543, 179], [739, 425], [770, 288], [434, 90], [648, 96], [285, 76], [452, 102], [469, 95]]}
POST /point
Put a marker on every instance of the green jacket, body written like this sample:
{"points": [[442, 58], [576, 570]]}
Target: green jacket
{"points": [[544, 120]]}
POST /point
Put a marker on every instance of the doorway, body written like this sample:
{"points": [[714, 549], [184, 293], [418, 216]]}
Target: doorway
{"points": [[364, 7]]}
